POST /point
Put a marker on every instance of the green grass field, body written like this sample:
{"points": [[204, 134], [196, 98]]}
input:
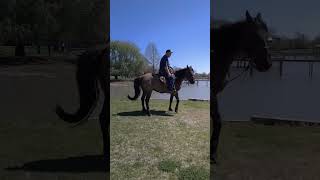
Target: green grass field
{"points": [[250, 151], [164, 146]]}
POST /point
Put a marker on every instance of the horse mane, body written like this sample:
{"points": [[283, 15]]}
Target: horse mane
{"points": [[180, 73], [237, 24], [225, 35]]}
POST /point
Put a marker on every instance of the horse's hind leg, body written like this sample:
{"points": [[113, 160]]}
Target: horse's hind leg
{"points": [[171, 98], [147, 103], [142, 101], [216, 122], [177, 105]]}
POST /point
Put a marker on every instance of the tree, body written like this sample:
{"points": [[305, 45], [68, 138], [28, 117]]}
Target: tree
{"points": [[300, 41], [126, 60], [152, 56], [49, 22]]}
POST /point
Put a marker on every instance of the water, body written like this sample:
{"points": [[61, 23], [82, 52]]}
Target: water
{"points": [[191, 91], [292, 96]]}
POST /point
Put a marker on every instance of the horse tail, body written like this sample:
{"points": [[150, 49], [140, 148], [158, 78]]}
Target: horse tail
{"points": [[87, 81], [137, 84]]}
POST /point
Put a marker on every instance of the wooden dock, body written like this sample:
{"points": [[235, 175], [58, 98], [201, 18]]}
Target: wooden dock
{"points": [[284, 58]]}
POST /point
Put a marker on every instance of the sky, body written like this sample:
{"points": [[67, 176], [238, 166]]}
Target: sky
{"points": [[285, 16], [180, 25]]}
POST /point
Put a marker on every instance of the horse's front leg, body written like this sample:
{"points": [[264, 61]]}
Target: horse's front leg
{"points": [[216, 123], [177, 105], [147, 103], [142, 101], [171, 98]]}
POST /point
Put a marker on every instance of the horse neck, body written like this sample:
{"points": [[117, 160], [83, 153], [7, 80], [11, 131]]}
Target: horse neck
{"points": [[226, 43], [179, 77], [228, 37], [224, 49]]}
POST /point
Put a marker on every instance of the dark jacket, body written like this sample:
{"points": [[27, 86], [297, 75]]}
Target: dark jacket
{"points": [[164, 62]]}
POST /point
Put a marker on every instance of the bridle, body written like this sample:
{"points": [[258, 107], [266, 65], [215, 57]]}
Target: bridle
{"points": [[227, 82], [240, 74]]}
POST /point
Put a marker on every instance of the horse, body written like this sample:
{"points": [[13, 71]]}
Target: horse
{"points": [[149, 82], [92, 70], [248, 36]]}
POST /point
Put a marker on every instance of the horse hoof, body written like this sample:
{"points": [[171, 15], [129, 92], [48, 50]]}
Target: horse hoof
{"points": [[149, 114], [170, 109], [176, 110]]}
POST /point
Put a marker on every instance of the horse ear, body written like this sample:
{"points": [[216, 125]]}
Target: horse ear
{"points": [[187, 66], [248, 16]]}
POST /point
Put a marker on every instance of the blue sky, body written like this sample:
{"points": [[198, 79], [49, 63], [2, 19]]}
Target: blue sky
{"points": [[285, 16], [180, 25]]}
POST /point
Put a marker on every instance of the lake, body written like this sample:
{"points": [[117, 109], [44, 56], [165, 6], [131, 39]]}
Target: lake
{"points": [[191, 91], [292, 96]]}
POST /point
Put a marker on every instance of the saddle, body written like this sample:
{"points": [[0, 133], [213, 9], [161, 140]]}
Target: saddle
{"points": [[161, 78]]}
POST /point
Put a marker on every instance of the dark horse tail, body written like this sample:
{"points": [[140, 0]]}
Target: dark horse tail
{"points": [[137, 84], [87, 80]]}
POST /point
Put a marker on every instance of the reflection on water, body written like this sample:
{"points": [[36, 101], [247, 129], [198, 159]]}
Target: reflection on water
{"points": [[200, 90]]}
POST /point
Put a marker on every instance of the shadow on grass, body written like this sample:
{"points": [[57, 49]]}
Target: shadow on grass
{"points": [[90, 163], [140, 113]]}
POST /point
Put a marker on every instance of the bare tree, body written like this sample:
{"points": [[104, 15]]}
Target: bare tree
{"points": [[152, 56]]}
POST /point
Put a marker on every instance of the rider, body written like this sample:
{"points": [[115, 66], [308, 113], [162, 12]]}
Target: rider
{"points": [[165, 71]]}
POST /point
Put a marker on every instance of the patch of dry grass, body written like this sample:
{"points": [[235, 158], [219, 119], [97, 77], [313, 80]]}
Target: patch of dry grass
{"points": [[251, 151], [162, 146]]}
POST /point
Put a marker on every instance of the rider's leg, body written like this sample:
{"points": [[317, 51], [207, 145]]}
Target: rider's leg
{"points": [[169, 85]]}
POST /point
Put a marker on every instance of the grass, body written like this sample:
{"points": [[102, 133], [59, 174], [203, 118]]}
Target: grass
{"points": [[35, 143], [193, 173], [251, 151], [163, 146], [169, 166]]}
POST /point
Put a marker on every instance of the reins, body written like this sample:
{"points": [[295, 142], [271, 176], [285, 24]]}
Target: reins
{"points": [[240, 74]]}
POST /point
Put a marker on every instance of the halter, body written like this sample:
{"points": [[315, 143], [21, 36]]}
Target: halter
{"points": [[240, 74]]}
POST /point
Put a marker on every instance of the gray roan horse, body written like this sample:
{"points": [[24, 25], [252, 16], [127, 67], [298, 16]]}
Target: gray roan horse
{"points": [[149, 82], [249, 37]]}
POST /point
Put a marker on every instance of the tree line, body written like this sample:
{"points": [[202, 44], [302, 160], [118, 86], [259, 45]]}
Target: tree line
{"points": [[126, 60], [52, 22], [299, 40]]}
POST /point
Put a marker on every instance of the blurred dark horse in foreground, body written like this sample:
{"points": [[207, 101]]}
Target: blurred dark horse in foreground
{"points": [[149, 82], [250, 37], [92, 71]]}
